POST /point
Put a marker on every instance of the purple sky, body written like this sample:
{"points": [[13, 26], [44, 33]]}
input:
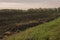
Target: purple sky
{"points": [[26, 4]]}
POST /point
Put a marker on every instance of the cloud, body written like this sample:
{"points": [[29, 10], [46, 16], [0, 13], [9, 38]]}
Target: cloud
{"points": [[4, 5], [20, 5], [25, 4], [29, 0]]}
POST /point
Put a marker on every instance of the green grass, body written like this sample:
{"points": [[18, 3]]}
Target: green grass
{"points": [[46, 31]]}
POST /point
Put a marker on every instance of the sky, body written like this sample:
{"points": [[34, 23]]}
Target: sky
{"points": [[26, 4]]}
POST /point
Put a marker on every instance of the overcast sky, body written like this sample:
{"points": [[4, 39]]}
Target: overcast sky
{"points": [[26, 4]]}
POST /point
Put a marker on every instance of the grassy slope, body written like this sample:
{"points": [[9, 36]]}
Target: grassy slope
{"points": [[46, 31]]}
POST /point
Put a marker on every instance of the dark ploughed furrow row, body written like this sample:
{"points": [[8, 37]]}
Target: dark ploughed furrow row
{"points": [[21, 27]]}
